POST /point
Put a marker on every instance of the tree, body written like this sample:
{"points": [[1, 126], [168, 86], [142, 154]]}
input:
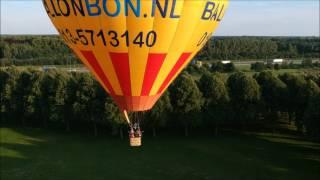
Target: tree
{"points": [[217, 67], [59, 112], [158, 115], [84, 105], [35, 96], [52, 96], [8, 78], [114, 116], [186, 99], [47, 97], [298, 94], [312, 117], [277, 67], [314, 76], [25, 94], [307, 63], [216, 98], [70, 97], [258, 66], [311, 89], [229, 67], [24, 50], [4, 76], [244, 93], [211, 85], [273, 91], [96, 105], [4, 51]]}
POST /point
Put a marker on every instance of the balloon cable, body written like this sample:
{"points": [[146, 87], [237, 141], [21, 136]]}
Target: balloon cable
{"points": [[126, 116]]}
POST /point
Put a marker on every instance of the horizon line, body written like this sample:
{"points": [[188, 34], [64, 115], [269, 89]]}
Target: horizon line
{"points": [[212, 36]]}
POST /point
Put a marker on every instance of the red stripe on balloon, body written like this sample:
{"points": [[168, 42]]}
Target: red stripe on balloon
{"points": [[93, 62], [120, 101], [174, 70], [121, 65], [154, 64], [129, 103]]}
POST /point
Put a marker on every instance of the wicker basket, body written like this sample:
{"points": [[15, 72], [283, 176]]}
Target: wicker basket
{"points": [[135, 141]]}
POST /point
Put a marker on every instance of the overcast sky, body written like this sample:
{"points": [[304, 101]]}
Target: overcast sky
{"points": [[244, 17]]}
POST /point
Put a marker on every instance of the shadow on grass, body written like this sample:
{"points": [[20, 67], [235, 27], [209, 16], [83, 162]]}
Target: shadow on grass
{"points": [[36, 154]]}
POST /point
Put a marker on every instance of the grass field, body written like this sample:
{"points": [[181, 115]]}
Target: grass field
{"points": [[41, 155]]}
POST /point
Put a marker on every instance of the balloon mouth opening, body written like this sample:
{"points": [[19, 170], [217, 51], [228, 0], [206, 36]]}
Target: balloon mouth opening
{"points": [[135, 103]]}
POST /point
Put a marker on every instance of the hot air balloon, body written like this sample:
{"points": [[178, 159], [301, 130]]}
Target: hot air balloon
{"points": [[135, 48]]}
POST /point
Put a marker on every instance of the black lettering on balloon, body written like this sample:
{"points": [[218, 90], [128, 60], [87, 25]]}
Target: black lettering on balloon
{"points": [[220, 16], [112, 14], [46, 7], [214, 16], [66, 6], [54, 9], [135, 9], [173, 7], [163, 11], [91, 6], [77, 7]]}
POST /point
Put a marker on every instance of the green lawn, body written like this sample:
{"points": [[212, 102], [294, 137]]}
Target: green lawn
{"points": [[40, 155]]}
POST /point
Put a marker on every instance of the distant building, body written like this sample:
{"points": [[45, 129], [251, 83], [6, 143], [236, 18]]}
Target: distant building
{"points": [[79, 70], [72, 70], [226, 62], [278, 61], [275, 61]]}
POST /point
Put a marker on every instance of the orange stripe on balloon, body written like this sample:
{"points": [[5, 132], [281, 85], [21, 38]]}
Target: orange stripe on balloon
{"points": [[154, 64], [135, 103], [93, 62], [174, 70], [120, 63]]}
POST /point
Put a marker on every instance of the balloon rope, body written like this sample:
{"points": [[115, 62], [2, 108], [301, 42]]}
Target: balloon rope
{"points": [[126, 116], [139, 118]]}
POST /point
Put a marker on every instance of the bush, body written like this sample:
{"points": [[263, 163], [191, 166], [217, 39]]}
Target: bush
{"points": [[307, 63], [258, 66], [312, 117]]}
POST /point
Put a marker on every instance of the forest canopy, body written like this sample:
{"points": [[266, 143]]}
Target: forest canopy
{"points": [[40, 50]]}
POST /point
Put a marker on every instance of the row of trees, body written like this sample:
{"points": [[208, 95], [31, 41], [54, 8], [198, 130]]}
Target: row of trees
{"points": [[194, 69], [39, 50], [57, 99], [238, 48], [261, 66], [35, 50], [257, 67]]}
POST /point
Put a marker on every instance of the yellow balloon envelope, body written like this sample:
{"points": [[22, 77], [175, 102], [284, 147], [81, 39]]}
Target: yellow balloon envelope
{"points": [[135, 48]]}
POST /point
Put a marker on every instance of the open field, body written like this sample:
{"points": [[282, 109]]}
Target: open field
{"points": [[38, 154]]}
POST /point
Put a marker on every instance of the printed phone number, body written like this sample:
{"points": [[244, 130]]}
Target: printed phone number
{"points": [[108, 38]]}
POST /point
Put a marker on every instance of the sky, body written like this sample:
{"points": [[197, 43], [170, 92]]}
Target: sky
{"points": [[243, 18]]}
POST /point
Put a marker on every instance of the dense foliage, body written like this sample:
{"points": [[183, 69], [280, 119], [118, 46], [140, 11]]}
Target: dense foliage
{"points": [[306, 63], [36, 50], [75, 101], [234, 48]]}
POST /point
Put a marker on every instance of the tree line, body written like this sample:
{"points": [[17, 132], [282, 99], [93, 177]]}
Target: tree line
{"points": [[48, 50], [35, 50], [307, 63], [75, 101], [244, 48]]}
